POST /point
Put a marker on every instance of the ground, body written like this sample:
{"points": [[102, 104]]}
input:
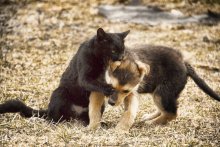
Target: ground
{"points": [[39, 38]]}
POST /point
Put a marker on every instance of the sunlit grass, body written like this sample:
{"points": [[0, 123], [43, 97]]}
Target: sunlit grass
{"points": [[45, 35]]}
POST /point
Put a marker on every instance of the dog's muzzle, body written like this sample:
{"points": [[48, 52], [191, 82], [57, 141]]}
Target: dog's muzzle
{"points": [[111, 102], [113, 98]]}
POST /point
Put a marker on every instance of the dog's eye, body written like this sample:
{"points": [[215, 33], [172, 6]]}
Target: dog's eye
{"points": [[105, 40], [113, 52], [125, 91]]}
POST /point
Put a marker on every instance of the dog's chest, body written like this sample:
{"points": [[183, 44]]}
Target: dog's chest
{"points": [[78, 109]]}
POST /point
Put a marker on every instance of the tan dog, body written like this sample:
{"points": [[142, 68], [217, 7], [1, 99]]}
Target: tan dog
{"points": [[125, 76]]}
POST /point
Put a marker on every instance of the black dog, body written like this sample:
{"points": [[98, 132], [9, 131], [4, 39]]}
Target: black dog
{"points": [[84, 74]]}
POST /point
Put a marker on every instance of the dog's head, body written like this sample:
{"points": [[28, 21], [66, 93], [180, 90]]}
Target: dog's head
{"points": [[110, 45], [125, 76]]}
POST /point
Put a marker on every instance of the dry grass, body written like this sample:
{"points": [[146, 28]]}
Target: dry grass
{"points": [[42, 38]]}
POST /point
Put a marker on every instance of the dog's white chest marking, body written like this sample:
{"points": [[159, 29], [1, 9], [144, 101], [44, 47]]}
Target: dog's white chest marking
{"points": [[78, 109]]}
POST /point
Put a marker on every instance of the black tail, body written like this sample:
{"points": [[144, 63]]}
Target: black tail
{"points": [[14, 106], [200, 82]]}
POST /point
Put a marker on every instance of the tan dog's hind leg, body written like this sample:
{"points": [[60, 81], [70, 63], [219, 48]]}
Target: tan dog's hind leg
{"points": [[131, 108], [96, 101], [147, 117], [163, 119], [164, 116]]}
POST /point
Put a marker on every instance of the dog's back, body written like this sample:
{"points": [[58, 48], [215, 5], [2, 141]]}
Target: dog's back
{"points": [[166, 64], [166, 79]]}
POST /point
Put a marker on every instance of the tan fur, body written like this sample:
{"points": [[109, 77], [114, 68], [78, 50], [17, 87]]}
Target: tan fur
{"points": [[125, 64], [151, 116], [159, 116], [131, 108], [114, 82], [157, 102], [130, 99], [114, 65], [145, 69], [96, 101], [164, 118], [131, 72], [131, 86], [121, 97]]}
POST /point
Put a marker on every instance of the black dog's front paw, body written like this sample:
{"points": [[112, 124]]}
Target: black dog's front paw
{"points": [[108, 90]]}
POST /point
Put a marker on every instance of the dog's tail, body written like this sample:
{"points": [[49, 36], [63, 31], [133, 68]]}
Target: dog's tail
{"points": [[200, 82], [14, 106]]}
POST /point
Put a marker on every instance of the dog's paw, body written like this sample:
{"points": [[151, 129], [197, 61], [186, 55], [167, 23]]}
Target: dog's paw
{"points": [[155, 122], [151, 116], [146, 117], [94, 126]]}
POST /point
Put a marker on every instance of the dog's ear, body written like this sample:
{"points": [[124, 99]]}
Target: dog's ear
{"points": [[101, 35], [114, 65], [124, 34], [143, 68]]}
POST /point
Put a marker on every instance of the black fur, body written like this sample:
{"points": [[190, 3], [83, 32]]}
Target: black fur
{"points": [[84, 74], [200, 82], [168, 75], [14, 106]]}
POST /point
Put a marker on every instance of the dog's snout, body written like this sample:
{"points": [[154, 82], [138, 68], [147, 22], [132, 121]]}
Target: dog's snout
{"points": [[113, 98], [111, 101]]}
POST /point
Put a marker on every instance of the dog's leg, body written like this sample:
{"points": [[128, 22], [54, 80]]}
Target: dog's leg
{"points": [[96, 101], [165, 116], [131, 108], [147, 117]]}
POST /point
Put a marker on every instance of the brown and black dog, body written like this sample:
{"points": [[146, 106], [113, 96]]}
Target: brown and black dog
{"points": [[125, 76], [158, 70]]}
